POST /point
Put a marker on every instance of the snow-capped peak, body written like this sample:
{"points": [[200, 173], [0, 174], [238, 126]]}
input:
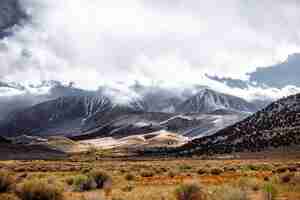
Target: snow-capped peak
{"points": [[208, 100]]}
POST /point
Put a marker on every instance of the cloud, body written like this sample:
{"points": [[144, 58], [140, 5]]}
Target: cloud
{"points": [[273, 75], [281, 78], [99, 42]]}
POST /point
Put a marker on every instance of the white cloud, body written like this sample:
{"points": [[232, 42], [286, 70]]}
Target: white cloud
{"points": [[93, 42]]}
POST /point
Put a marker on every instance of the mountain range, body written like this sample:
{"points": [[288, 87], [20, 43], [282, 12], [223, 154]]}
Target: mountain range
{"points": [[88, 115], [277, 125]]}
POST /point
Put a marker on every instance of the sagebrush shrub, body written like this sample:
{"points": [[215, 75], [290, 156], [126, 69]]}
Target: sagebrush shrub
{"points": [[100, 178], [8, 197], [147, 174], [6, 181], [69, 180], [129, 177], [201, 171], [216, 171], [189, 192], [286, 178], [39, 189], [185, 168], [83, 183]]}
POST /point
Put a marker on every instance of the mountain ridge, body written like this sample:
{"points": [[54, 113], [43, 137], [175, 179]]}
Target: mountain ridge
{"points": [[89, 116], [276, 125], [208, 100]]}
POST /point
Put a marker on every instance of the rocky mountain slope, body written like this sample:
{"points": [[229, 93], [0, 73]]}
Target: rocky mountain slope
{"points": [[208, 101], [91, 116], [64, 115], [15, 97], [276, 125]]}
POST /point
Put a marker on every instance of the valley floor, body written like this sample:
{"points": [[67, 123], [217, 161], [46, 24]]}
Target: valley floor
{"points": [[158, 179]]}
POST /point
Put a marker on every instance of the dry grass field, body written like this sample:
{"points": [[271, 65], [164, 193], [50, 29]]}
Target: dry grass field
{"points": [[151, 179]]}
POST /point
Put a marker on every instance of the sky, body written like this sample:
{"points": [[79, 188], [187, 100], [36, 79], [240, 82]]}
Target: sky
{"points": [[94, 42]]}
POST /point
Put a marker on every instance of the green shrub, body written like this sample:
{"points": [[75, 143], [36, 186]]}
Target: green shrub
{"points": [[6, 180], [39, 189], [100, 178], [184, 168], [251, 167], [270, 191], [83, 183], [189, 192]]}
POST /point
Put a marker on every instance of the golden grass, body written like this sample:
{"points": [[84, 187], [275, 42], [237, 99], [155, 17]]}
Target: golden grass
{"points": [[165, 177]]}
